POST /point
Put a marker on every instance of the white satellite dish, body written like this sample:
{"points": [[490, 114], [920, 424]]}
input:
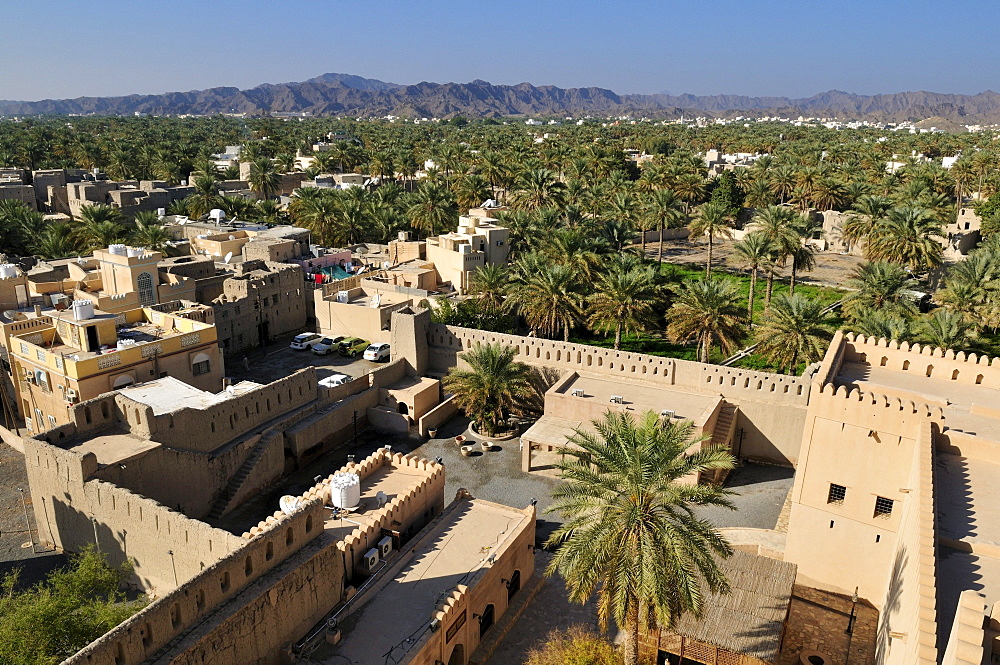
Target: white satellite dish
{"points": [[229, 257], [289, 504], [381, 499]]}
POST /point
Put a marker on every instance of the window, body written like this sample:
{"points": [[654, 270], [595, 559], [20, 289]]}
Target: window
{"points": [[837, 493], [52, 422], [203, 367], [883, 507], [144, 284]]}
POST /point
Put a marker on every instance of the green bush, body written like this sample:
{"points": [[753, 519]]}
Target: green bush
{"points": [[54, 619]]}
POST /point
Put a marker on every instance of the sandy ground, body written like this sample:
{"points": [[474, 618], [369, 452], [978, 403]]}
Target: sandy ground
{"points": [[16, 550], [831, 269]]}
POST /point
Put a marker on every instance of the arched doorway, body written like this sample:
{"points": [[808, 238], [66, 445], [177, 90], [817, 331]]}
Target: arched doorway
{"points": [[122, 381], [514, 585], [403, 408], [457, 655], [486, 620]]}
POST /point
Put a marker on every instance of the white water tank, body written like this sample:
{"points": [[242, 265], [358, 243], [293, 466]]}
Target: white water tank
{"points": [[83, 310], [8, 270], [217, 215], [118, 250], [345, 490], [134, 252], [124, 344]]}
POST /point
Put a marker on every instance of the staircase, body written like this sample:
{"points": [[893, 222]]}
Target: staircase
{"points": [[236, 482], [724, 424]]}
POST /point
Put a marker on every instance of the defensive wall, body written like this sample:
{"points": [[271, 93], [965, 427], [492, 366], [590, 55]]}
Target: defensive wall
{"points": [[281, 578], [73, 509], [772, 407]]}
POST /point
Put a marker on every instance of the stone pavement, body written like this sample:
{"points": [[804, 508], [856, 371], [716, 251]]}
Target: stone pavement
{"points": [[817, 621]]}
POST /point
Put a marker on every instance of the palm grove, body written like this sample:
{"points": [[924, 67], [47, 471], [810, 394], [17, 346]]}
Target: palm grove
{"points": [[581, 267]]}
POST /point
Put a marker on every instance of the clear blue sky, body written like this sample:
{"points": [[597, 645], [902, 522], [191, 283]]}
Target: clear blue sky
{"points": [[755, 47]]}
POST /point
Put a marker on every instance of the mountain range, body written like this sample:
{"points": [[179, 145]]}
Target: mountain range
{"points": [[356, 96]]}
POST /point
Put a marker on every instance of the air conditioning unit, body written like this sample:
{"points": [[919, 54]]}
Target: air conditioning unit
{"points": [[667, 413], [617, 399], [371, 560], [577, 392], [343, 296], [384, 547], [71, 395]]}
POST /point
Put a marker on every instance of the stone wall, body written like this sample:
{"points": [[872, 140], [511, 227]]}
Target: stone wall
{"points": [[772, 406], [140, 638], [72, 509]]}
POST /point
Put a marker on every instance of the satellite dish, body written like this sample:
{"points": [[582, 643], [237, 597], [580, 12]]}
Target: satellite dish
{"points": [[289, 504], [381, 499], [9, 314], [229, 257]]}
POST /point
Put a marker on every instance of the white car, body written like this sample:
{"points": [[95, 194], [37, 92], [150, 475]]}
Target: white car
{"points": [[326, 346], [377, 352], [334, 380], [304, 341]]}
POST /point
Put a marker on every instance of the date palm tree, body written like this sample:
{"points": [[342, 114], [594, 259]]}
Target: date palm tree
{"points": [[264, 179], [664, 210], [947, 329], [490, 284], [548, 299], [754, 251], [433, 208], [629, 532], [150, 233], [794, 330], [707, 312], [56, 242], [538, 188], [907, 236], [491, 388], [879, 286], [777, 224], [624, 301], [861, 222], [100, 226], [882, 324], [712, 221]]}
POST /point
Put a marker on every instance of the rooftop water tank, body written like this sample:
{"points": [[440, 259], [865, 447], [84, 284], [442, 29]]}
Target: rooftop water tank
{"points": [[289, 504], [8, 270], [134, 251], [83, 310], [345, 490], [118, 250], [124, 344]]}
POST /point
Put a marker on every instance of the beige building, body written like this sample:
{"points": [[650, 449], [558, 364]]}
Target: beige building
{"points": [[364, 312], [477, 242], [60, 358], [260, 300]]}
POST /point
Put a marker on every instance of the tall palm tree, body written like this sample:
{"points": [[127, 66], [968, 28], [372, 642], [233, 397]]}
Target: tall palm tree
{"points": [[777, 224], [795, 329], [492, 387], [712, 220], [490, 284], [629, 532], [907, 236], [56, 242], [882, 324], [150, 233], [753, 251], [433, 208], [205, 197], [664, 210], [947, 329], [264, 179], [879, 286], [100, 226], [867, 213], [624, 300], [548, 299], [538, 188], [707, 312]]}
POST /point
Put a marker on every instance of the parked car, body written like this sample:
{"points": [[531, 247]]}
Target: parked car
{"points": [[305, 341], [334, 380], [377, 352], [353, 346], [326, 346]]}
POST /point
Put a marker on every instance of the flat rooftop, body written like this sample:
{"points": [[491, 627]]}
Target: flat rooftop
{"points": [[640, 397], [956, 399], [169, 394], [113, 447], [451, 554], [392, 480]]}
